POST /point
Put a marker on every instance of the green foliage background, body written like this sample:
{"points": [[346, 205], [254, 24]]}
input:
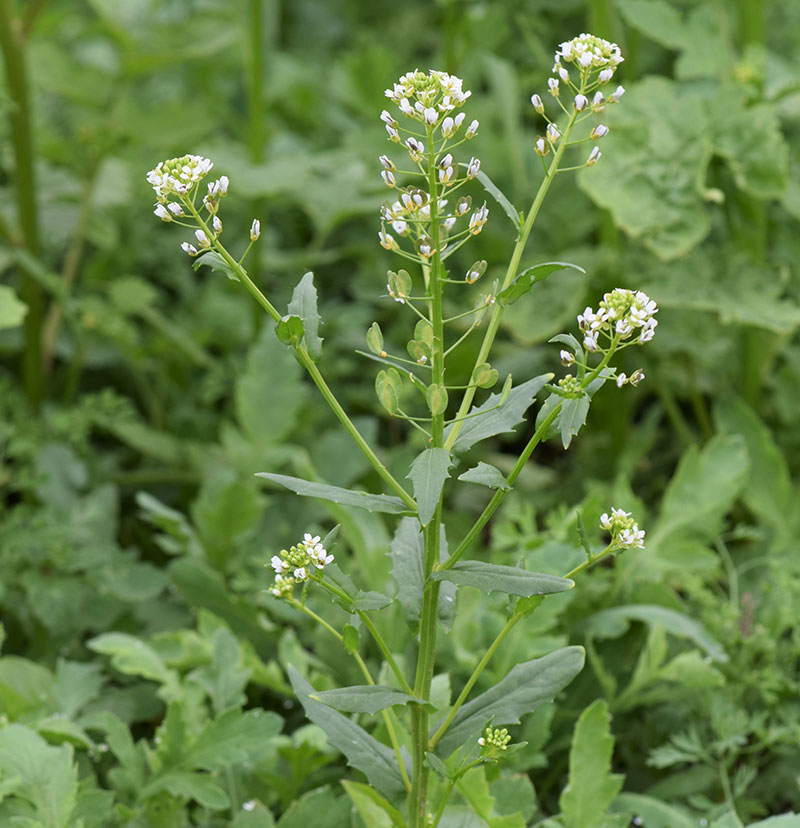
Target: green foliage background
{"points": [[143, 680]]}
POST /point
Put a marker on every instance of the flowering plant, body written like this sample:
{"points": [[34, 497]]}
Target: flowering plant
{"points": [[428, 219]]}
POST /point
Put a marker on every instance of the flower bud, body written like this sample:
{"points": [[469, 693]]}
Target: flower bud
{"points": [[189, 248], [463, 205], [552, 83], [202, 238], [598, 100], [594, 157], [387, 163], [616, 94], [581, 102], [216, 225], [563, 74], [448, 127], [223, 185], [394, 135], [552, 133], [387, 242], [162, 213], [471, 130], [388, 178], [585, 60], [605, 75], [473, 168], [541, 147], [431, 116], [600, 131], [567, 358], [388, 119], [255, 230], [537, 104], [175, 209]]}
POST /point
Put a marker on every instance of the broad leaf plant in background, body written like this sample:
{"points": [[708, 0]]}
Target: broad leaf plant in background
{"points": [[429, 748]]}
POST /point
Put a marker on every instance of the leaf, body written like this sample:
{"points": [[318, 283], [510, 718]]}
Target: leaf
{"points": [[782, 821], [613, 622], [656, 20], [304, 305], [529, 277], [428, 473], [370, 502], [12, 311], [270, 394], [494, 191], [653, 812], [362, 751], [526, 687], [290, 330], [373, 808], [498, 578], [493, 418], [486, 475], [130, 655], [317, 809], [591, 787], [46, 776], [213, 260], [370, 601], [703, 488], [652, 176], [572, 417], [364, 698], [197, 786]]}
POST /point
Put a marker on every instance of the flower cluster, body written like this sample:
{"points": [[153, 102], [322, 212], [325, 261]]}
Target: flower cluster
{"points": [[625, 533], [429, 99], [293, 565], [595, 60], [494, 739], [176, 185], [621, 314]]}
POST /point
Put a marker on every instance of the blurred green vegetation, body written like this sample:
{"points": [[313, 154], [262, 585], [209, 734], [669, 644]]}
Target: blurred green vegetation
{"points": [[138, 398]]}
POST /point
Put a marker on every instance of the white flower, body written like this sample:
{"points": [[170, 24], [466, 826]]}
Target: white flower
{"points": [[223, 185], [600, 131], [541, 147], [598, 100], [594, 157], [537, 103], [478, 219], [459, 119], [473, 168], [162, 212], [387, 241], [216, 225], [189, 248], [177, 176], [448, 127], [388, 178], [590, 341], [416, 148], [175, 209], [552, 83], [431, 116], [605, 76], [279, 565], [621, 380], [255, 230], [567, 358], [449, 223], [300, 574], [586, 59], [552, 133], [387, 163], [581, 102], [616, 94], [589, 50], [202, 238], [400, 227], [471, 130], [623, 529], [394, 135], [446, 174], [563, 74], [388, 119]]}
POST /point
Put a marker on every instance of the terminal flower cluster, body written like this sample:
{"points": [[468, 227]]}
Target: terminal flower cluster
{"points": [[623, 316], [176, 183], [594, 61], [293, 566], [625, 533], [430, 99], [494, 740]]}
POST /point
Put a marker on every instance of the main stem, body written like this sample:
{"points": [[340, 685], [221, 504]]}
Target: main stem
{"points": [[426, 657]]}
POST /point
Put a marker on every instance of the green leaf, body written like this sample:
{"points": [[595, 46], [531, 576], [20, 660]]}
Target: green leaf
{"points": [[304, 305], [486, 475], [614, 622], [270, 394], [350, 638], [319, 808], [369, 600], [130, 655], [213, 260], [436, 765], [782, 821], [495, 192], [703, 488], [652, 174], [526, 687], [374, 809], [572, 417], [655, 19], [12, 311], [290, 330], [24, 687], [768, 489], [499, 578], [362, 751], [364, 698], [591, 787], [496, 416], [197, 786], [370, 502], [428, 473], [46, 776], [524, 281], [653, 812]]}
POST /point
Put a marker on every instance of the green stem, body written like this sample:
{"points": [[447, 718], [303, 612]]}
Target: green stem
{"points": [[476, 673], [511, 272], [12, 43], [386, 652], [308, 363]]}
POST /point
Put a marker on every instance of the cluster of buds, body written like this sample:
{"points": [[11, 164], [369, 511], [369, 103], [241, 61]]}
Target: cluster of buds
{"points": [[176, 183], [430, 99], [293, 566], [595, 60], [622, 315], [625, 533], [494, 740]]}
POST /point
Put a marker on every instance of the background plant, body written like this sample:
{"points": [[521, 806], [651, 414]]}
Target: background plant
{"points": [[142, 395]]}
